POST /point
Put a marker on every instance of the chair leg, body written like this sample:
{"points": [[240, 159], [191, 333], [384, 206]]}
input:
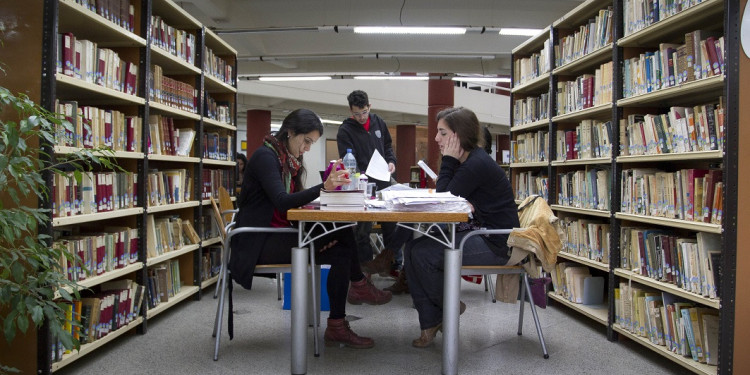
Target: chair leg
{"points": [[488, 283], [314, 281], [220, 314], [536, 317], [278, 286], [520, 311]]}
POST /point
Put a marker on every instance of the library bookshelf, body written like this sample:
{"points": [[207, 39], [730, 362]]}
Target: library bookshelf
{"points": [[584, 158], [149, 81]]}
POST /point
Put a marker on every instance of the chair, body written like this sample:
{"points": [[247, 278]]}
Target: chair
{"points": [[227, 231], [226, 207], [498, 270]]}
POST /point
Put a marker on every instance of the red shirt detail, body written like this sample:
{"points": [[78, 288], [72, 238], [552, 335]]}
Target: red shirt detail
{"points": [[279, 218], [367, 124]]}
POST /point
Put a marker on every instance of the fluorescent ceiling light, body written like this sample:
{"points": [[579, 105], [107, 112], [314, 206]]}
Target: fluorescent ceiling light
{"points": [[327, 121], [519, 32], [403, 78], [289, 78], [481, 79], [409, 30]]}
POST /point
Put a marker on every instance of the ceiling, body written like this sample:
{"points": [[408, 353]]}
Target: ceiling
{"points": [[297, 37]]}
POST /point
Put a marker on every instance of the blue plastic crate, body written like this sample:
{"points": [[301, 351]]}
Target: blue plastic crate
{"points": [[324, 304]]}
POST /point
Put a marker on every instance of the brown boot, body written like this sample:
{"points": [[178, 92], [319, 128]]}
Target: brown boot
{"points": [[400, 286], [364, 292], [427, 336], [339, 332], [381, 264]]}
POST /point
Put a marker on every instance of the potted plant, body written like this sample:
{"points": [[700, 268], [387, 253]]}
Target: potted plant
{"points": [[30, 270]]}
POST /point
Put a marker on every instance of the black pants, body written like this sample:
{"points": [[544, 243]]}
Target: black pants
{"points": [[342, 257]]}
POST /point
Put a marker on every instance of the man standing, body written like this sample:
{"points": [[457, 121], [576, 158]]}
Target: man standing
{"points": [[364, 133]]}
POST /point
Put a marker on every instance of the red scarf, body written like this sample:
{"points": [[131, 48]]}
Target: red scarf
{"points": [[290, 166]]}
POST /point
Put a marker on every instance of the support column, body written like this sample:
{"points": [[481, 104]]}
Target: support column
{"points": [[406, 152], [258, 125], [439, 97]]}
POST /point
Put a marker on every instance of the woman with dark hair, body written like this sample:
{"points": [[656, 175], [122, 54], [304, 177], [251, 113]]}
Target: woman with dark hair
{"points": [[272, 184], [466, 170], [241, 163]]}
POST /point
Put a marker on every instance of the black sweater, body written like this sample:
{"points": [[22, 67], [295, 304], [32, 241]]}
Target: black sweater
{"points": [[484, 184], [262, 191], [363, 143]]}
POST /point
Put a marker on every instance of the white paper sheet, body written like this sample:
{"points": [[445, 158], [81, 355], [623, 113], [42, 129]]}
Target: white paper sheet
{"points": [[378, 167]]}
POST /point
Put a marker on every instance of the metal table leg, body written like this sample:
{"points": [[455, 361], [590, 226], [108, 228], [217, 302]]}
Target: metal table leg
{"points": [[452, 285], [299, 310]]}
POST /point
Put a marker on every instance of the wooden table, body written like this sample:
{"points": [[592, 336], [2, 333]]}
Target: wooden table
{"points": [[427, 220]]}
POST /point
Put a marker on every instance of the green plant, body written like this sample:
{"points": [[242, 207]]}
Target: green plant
{"points": [[30, 270]]}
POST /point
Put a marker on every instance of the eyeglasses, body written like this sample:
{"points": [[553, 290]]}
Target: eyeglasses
{"points": [[361, 114]]}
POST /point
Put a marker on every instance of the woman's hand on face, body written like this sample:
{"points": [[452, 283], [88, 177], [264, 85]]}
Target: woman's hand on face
{"points": [[337, 177], [453, 147]]}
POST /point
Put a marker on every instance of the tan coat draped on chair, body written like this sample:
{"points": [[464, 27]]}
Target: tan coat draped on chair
{"points": [[541, 235]]}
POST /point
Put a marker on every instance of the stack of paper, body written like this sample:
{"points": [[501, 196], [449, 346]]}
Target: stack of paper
{"points": [[423, 200]]}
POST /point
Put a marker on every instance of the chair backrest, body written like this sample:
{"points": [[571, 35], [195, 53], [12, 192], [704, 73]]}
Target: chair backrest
{"points": [[225, 204], [219, 219]]}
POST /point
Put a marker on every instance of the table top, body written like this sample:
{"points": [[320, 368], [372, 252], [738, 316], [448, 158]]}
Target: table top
{"points": [[381, 215]]}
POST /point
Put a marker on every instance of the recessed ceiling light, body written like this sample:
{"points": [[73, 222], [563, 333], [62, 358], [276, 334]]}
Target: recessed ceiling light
{"points": [[481, 79], [409, 30], [402, 78], [519, 32], [289, 78]]}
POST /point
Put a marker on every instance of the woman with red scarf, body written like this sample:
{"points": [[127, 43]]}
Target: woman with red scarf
{"points": [[272, 184]]}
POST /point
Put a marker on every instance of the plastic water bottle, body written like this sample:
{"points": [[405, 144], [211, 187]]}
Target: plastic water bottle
{"points": [[350, 163]]}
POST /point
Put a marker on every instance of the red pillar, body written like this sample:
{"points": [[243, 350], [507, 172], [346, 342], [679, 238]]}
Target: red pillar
{"points": [[406, 152], [258, 126], [439, 97]]}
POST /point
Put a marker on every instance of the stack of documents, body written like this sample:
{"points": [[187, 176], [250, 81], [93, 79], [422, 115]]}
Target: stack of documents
{"points": [[423, 200]]}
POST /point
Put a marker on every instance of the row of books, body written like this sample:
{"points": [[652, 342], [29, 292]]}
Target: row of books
{"points": [[590, 139], [575, 283], [168, 233], [209, 228], [638, 14], [210, 262], [217, 146], [682, 327], [682, 129], [585, 188], [530, 183], [97, 253], [115, 306], [119, 12], [673, 64], [218, 67], [689, 263], [527, 68], [177, 42], [93, 127], [530, 109], [595, 34], [171, 92], [93, 192], [219, 110], [163, 282], [166, 139], [687, 194], [214, 178], [169, 186], [587, 90], [530, 147], [586, 238], [84, 60]]}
